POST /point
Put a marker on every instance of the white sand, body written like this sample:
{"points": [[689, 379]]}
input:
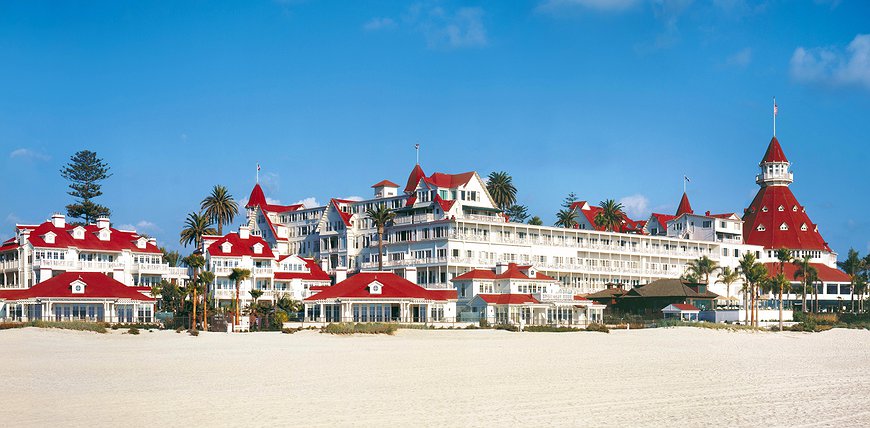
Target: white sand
{"points": [[682, 376]]}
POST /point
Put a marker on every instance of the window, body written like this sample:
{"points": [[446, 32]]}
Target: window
{"points": [[781, 208], [760, 228], [783, 227], [708, 224], [831, 289], [845, 289]]}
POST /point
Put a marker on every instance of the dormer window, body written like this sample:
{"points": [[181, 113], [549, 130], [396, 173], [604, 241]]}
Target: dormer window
{"points": [[226, 247], [375, 288], [794, 208], [104, 234], [781, 208], [783, 227], [78, 233], [141, 242], [804, 227], [77, 286], [760, 228], [258, 248], [49, 237], [764, 209]]}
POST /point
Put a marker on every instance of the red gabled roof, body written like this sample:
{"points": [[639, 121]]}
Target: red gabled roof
{"points": [[411, 200], [119, 240], [345, 217], [414, 179], [513, 271], [385, 183], [826, 273], [315, 273], [445, 205], [508, 299], [685, 207], [771, 198], [774, 152], [663, 219], [628, 225], [240, 247], [258, 199], [449, 181], [685, 307], [97, 285], [393, 287]]}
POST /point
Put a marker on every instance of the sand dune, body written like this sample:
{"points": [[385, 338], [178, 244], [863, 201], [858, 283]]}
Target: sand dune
{"points": [[683, 376]]}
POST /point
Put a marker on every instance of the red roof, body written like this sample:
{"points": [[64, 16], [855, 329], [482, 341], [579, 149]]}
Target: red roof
{"points": [[663, 220], [508, 299], [793, 216], [445, 205], [393, 287], [118, 240], [449, 181], [826, 273], [513, 271], [774, 152], [258, 199], [685, 207], [414, 179], [590, 211], [97, 285], [385, 183], [240, 247], [314, 272], [685, 307], [345, 217]]}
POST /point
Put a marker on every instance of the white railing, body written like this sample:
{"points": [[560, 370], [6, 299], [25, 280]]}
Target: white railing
{"points": [[86, 265], [177, 271], [554, 297], [151, 267], [489, 218], [261, 271], [424, 218], [66, 264], [10, 264]]}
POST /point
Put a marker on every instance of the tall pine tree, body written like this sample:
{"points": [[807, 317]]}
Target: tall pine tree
{"points": [[84, 172]]}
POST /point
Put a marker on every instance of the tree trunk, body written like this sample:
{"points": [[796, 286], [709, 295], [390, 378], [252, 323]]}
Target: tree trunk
{"points": [[804, 298], [780, 307], [236, 308], [380, 248], [193, 316]]}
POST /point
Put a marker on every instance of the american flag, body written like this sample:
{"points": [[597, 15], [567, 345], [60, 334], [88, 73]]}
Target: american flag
{"points": [[775, 109], [687, 178], [417, 146], [258, 167]]}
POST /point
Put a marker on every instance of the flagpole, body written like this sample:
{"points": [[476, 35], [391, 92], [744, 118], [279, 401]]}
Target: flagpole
{"points": [[774, 116]]}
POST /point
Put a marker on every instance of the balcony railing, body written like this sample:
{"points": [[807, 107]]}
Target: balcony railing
{"points": [[261, 271]]}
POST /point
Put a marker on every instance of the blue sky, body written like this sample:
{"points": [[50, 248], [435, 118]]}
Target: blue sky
{"points": [[608, 99]]}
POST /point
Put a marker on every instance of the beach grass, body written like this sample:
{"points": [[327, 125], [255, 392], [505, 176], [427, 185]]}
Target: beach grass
{"points": [[360, 328]]}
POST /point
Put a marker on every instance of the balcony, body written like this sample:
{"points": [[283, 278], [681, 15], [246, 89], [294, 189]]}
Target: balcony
{"points": [[424, 218], [554, 297], [261, 271], [9, 265], [487, 218]]}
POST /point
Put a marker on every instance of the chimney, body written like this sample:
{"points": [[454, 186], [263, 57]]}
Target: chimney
{"points": [[103, 222], [58, 220], [340, 274], [501, 267], [244, 232], [411, 274], [24, 236], [707, 214], [152, 241]]}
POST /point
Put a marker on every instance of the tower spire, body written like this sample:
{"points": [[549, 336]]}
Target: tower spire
{"points": [[775, 111]]}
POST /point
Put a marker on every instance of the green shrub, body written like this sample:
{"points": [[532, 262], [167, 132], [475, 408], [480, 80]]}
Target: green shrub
{"points": [[8, 325], [359, 328], [70, 325], [133, 330], [598, 327], [193, 332], [484, 323], [290, 330], [508, 327], [550, 329], [179, 329]]}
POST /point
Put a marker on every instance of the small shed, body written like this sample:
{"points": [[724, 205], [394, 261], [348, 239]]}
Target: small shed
{"points": [[681, 311]]}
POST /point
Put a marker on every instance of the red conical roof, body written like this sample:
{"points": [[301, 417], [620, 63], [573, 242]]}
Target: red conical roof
{"points": [[414, 179], [775, 219], [685, 207], [774, 152], [257, 197]]}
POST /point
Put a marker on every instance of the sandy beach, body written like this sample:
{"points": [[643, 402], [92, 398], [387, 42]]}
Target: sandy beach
{"points": [[680, 376]]}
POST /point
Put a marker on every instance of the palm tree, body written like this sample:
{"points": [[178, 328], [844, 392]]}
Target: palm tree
{"points": [[220, 207], [776, 285], [156, 290], [852, 266], [238, 275], [728, 276], [753, 273], [703, 268], [812, 278], [195, 227], [380, 215], [500, 186], [205, 278], [194, 261], [804, 268], [784, 255], [611, 215], [566, 218], [536, 221], [255, 309]]}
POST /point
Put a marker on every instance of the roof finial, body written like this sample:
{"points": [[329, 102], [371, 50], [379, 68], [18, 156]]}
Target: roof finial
{"points": [[258, 172], [775, 111], [417, 148]]}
